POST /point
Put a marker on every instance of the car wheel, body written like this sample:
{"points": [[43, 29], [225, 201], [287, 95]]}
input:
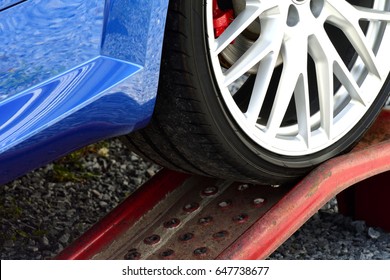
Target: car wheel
{"points": [[264, 90]]}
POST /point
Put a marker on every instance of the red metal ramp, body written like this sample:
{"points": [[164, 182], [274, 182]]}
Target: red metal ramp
{"points": [[176, 216]]}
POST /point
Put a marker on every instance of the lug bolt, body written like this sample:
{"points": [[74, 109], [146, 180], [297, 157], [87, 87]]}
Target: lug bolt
{"points": [[243, 187], [167, 253], [172, 223], [242, 218], [153, 239], [209, 191], [186, 236], [205, 221], [225, 204], [132, 255], [220, 234], [258, 202], [191, 207], [202, 251]]}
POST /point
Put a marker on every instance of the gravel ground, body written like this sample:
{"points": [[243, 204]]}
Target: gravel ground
{"points": [[47, 209]]}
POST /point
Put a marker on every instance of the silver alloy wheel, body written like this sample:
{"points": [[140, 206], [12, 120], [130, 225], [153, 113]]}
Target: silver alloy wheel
{"points": [[292, 32]]}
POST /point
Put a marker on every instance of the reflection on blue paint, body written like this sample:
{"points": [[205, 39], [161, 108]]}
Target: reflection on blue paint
{"points": [[74, 72], [40, 39], [58, 98], [7, 3]]}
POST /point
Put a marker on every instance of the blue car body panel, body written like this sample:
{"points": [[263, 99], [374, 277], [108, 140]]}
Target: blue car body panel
{"points": [[72, 73], [5, 4]]}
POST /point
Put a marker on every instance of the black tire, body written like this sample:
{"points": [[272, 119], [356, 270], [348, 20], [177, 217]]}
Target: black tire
{"points": [[193, 131]]}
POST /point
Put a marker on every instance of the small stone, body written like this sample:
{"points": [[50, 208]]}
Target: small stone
{"points": [[133, 157], [359, 226], [103, 203], [151, 172], [103, 152], [45, 241], [64, 238], [374, 234], [137, 181], [60, 248], [95, 192], [32, 248]]}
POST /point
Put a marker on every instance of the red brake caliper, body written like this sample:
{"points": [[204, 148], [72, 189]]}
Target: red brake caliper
{"points": [[221, 18]]}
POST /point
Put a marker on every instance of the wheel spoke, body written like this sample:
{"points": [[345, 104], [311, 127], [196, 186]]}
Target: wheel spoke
{"points": [[294, 53], [302, 105], [269, 41], [348, 81], [351, 28], [372, 14], [320, 49], [338, 67], [252, 11], [264, 74]]}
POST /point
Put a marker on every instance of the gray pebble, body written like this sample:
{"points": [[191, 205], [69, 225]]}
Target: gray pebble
{"points": [[374, 234], [45, 241], [360, 226], [64, 238], [103, 203]]}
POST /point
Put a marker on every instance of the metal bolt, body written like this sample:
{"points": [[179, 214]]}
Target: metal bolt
{"points": [[225, 204], [153, 239], [191, 207], [242, 218], [132, 254], [172, 223], [167, 253], [209, 191], [205, 221], [186, 236], [258, 202], [243, 187], [200, 251], [220, 234]]}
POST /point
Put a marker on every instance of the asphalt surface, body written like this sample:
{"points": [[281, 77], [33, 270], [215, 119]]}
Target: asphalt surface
{"points": [[44, 211]]}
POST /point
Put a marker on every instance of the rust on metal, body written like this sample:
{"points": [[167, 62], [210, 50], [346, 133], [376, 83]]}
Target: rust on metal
{"points": [[123, 216], [219, 219], [308, 196], [379, 132], [245, 221]]}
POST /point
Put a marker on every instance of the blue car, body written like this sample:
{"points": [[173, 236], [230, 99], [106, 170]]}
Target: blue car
{"points": [[252, 90]]}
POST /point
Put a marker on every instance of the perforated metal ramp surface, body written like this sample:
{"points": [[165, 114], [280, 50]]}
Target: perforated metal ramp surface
{"points": [[177, 216], [198, 220]]}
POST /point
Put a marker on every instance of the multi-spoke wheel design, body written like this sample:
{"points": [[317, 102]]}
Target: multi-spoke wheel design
{"points": [[264, 90], [318, 66]]}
